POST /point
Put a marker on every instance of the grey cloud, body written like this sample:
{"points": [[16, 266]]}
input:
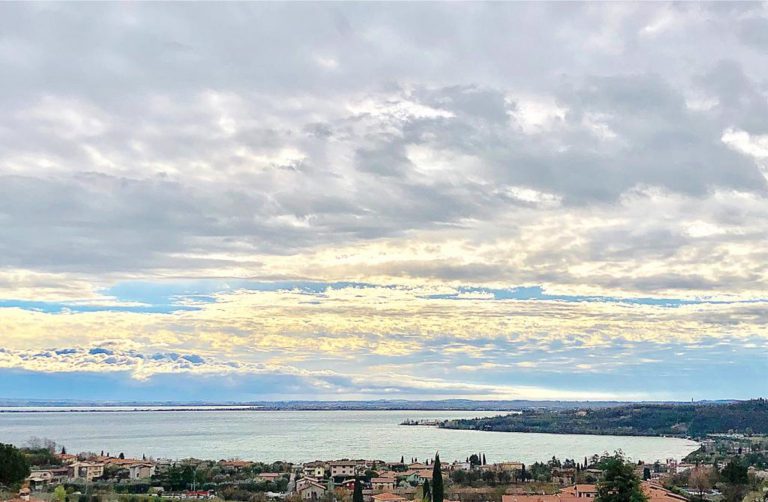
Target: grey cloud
{"points": [[137, 132]]}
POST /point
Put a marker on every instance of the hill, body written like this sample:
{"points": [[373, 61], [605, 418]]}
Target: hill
{"points": [[632, 420]]}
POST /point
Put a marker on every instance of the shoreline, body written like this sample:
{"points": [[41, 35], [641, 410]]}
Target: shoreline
{"points": [[113, 409]]}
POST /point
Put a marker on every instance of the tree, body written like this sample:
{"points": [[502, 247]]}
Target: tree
{"points": [[474, 460], [437, 481], [63, 451], [426, 493], [646, 473], [13, 465], [357, 495], [735, 476], [60, 494], [699, 481], [402, 459], [121, 456], [735, 473], [484, 459], [619, 483]]}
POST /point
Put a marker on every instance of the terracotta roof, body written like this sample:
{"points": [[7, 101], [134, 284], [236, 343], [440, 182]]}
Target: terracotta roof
{"points": [[386, 496], [657, 493], [235, 463], [530, 498]]}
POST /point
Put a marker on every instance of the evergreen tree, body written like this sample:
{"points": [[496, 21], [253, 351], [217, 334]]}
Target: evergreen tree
{"points": [[63, 451], [484, 459], [402, 459], [13, 465], [357, 494], [437, 480], [121, 456], [426, 493], [331, 489]]}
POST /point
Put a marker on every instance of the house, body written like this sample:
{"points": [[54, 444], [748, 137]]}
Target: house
{"points": [[382, 484], [85, 470], [269, 476], [583, 492], [67, 458], [580, 491], [345, 468], [564, 475], [37, 479], [657, 493], [413, 477], [530, 498], [387, 497], [163, 465], [44, 477], [141, 471], [311, 490], [234, 465], [509, 466], [199, 494], [314, 470], [424, 475]]}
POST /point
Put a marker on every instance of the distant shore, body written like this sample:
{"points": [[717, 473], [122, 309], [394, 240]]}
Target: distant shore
{"points": [[148, 409]]}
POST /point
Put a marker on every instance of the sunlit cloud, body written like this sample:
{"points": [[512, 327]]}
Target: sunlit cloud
{"points": [[507, 200]]}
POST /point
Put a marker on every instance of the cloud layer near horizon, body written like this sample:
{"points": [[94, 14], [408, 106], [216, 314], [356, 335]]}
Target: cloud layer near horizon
{"points": [[504, 200]]}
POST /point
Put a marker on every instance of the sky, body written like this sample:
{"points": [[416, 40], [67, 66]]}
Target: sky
{"points": [[258, 201]]}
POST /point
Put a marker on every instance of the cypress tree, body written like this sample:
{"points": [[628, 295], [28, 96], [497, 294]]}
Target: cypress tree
{"points": [[483, 458], [357, 495], [426, 492], [402, 459], [437, 480]]}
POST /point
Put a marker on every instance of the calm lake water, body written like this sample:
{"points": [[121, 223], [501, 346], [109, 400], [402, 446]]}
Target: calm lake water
{"points": [[299, 436]]}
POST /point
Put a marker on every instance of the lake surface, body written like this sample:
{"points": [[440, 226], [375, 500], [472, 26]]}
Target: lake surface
{"points": [[299, 436]]}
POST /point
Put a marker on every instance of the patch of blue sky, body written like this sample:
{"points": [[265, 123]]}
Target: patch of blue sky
{"points": [[537, 293], [65, 307], [204, 290], [159, 297]]}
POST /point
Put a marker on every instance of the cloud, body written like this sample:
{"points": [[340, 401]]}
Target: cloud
{"points": [[202, 181]]}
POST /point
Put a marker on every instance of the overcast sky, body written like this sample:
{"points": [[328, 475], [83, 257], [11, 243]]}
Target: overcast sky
{"points": [[358, 201]]}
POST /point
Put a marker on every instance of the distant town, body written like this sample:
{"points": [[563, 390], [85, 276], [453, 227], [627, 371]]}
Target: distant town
{"points": [[726, 467]]}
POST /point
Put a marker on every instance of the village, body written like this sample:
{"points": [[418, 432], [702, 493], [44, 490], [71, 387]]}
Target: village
{"points": [[729, 469]]}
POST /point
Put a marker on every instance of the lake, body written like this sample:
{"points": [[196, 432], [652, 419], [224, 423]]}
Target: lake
{"points": [[299, 436]]}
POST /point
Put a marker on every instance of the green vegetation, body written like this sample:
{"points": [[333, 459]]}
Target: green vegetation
{"points": [[357, 494], [437, 481], [619, 483], [13, 465], [632, 420]]}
